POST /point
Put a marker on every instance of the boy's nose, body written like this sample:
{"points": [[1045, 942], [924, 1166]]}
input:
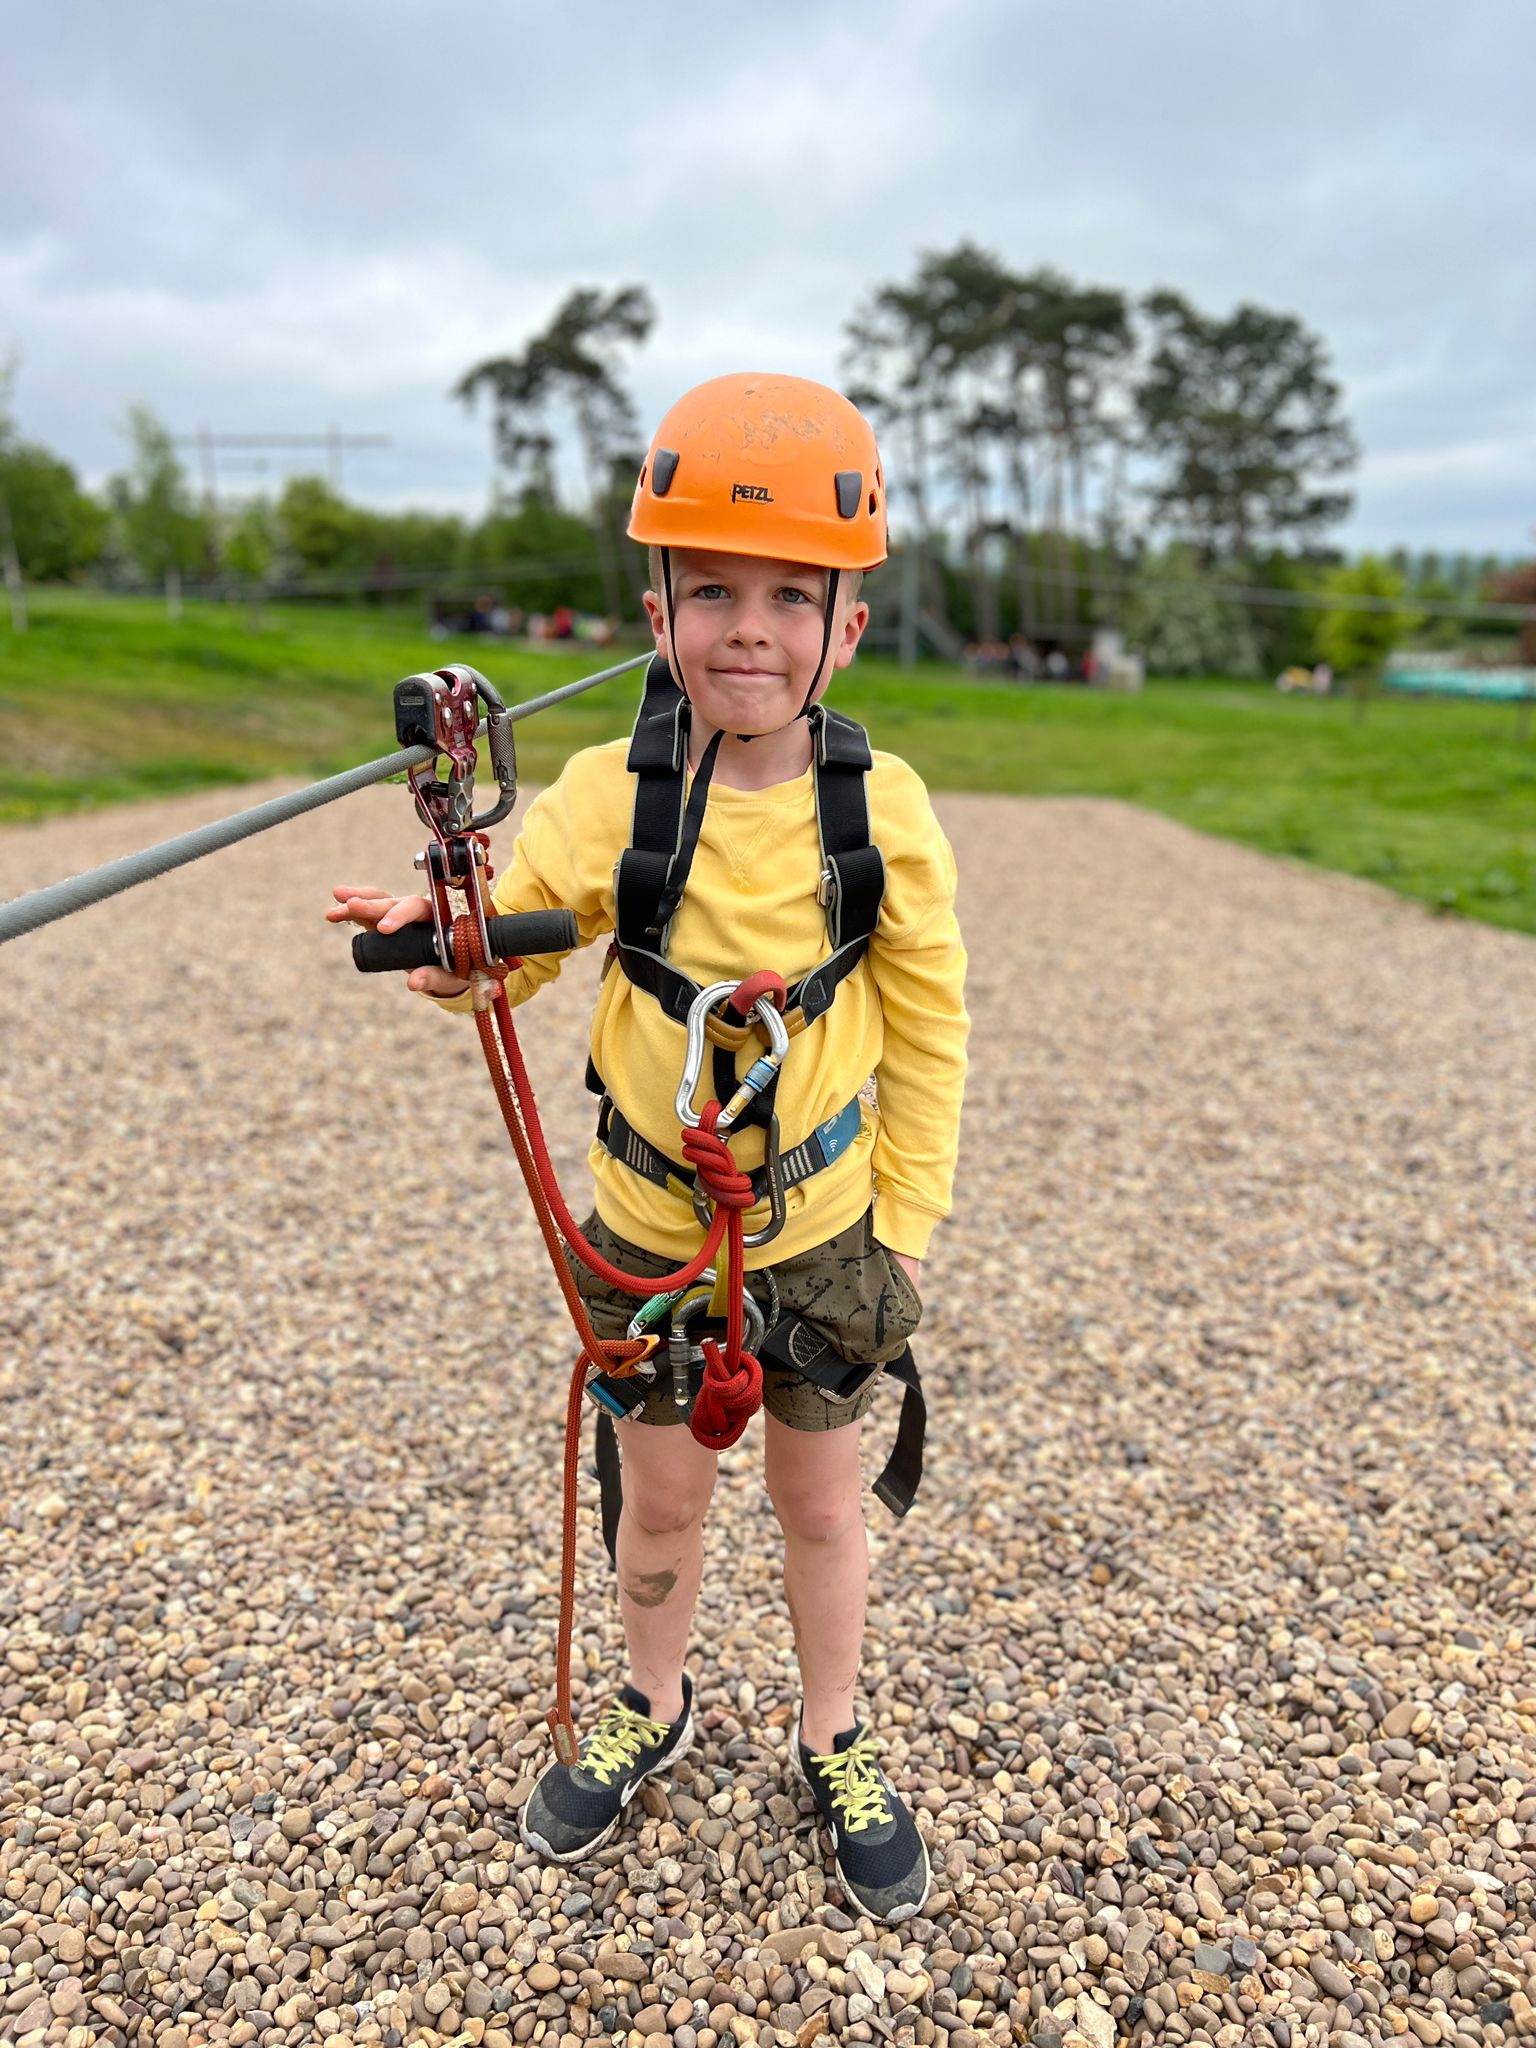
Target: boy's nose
{"points": [[750, 623]]}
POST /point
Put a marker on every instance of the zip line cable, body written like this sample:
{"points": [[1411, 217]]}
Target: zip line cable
{"points": [[60, 899]]}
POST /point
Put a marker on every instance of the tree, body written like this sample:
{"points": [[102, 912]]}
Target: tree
{"points": [[575, 361], [1006, 388], [541, 556], [58, 529], [1356, 639], [1244, 414], [1182, 624], [163, 534], [1073, 344], [49, 528], [250, 548], [903, 343], [320, 528]]}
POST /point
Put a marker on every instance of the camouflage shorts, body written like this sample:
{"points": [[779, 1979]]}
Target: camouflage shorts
{"points": [[850, 1289]]}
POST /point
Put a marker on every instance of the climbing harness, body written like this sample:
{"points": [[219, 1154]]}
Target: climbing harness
{"points": [[851, 888]]}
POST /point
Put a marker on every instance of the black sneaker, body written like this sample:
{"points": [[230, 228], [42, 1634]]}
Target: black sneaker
{"points": [[880, 1856], [574, 1808]]}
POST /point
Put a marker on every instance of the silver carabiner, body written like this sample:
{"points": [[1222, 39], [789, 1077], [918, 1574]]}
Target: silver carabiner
{"points": [[757, 1077], [682, 1355]]}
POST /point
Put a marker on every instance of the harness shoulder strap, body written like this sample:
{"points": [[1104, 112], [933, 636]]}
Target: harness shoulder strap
{"points": [[852, 882], [658, 753]]}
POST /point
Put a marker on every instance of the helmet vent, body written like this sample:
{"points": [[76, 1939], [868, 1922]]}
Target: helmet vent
{"points": [[850, 489], [663, 469]]}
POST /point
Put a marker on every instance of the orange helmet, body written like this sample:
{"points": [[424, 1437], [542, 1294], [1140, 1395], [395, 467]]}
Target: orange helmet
{"points": [[761, 465]]}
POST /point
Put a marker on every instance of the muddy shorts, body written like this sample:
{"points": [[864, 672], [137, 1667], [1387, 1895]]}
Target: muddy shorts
{"points": [[850, 1290]]}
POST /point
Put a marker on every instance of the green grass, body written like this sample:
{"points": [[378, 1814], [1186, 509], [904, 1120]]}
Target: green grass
{"points": [[105, 700]]}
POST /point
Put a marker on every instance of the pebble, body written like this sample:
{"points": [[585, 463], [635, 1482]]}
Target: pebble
{"points": [[1202, 1659]]}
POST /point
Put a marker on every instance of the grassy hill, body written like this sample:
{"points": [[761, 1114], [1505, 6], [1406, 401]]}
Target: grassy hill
{"points": [[105, 700]]}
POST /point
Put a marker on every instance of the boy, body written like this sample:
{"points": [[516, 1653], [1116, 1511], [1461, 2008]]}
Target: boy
{"points": [[762, 502]]}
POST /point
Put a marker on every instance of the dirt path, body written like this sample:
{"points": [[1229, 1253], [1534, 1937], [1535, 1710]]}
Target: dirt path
{"points": [[1204, 1653]]}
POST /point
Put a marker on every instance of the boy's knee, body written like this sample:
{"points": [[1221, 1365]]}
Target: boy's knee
{"points": [[815, 1517], [665, 1510]]}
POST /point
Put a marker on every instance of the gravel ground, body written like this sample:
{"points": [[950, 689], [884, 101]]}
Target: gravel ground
{"points": [[1205, 1656]]}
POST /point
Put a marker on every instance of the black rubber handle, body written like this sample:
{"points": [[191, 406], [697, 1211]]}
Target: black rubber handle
{"points": [[511, 937]]}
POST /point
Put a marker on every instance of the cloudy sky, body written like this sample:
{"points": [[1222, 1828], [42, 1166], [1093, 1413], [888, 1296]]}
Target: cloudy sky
{"points": [[278, 217]]}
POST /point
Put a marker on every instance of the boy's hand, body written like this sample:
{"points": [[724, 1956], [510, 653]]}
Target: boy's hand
{"points": [[377, 910], [913, 1268]]}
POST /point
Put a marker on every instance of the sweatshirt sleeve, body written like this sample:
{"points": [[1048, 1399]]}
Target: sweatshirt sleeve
{"points": [[919, 964], [562, 858]]}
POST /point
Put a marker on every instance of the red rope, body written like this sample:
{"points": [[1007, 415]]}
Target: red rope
{"points": [[732, 1390]]}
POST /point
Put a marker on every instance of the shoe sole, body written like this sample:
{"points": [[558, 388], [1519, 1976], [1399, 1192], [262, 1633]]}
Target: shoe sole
{"points": [[827, 1837], [533, 1841]]}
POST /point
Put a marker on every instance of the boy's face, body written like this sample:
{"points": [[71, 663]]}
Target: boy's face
{"points": [[747, 636]]}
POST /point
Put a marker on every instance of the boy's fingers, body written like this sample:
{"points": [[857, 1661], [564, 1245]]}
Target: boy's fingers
{"points": [[409, 910], [358, 906]]}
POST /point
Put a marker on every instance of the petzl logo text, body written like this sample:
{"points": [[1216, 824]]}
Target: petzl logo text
{"points": [[756, 494]]}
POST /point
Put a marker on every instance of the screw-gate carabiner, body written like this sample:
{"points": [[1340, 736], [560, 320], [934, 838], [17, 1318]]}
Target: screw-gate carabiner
{"points": [[773, 1195], [757, 1077], [681, 1354]]}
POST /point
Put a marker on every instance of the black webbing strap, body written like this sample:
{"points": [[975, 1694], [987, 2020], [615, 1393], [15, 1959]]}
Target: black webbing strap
{"points": [[682, 861], [609, 1483], [760, 1110], [817, 1149], [898, 1483], [656, 861], [657, 758], [853, 881]]}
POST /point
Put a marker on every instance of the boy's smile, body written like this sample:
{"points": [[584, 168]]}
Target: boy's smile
{"points": [[746, 639]]}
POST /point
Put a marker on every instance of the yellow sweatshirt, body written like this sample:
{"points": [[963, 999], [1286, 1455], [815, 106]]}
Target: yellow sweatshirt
{"points": [[751, 903]]}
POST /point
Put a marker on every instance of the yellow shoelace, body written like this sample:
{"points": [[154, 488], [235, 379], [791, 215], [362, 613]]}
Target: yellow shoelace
{"points": [[853, 1774], [618, 1739]]}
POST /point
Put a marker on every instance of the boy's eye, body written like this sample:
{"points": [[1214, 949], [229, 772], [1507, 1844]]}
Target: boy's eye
{"points": [[789, 593]]}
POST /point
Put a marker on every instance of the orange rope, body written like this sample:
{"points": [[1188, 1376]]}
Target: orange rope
{"points": [[732, 1390]]}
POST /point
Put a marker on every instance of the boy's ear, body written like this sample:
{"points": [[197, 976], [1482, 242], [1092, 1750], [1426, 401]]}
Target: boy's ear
{"points": [[654, 613], [855, 619]]}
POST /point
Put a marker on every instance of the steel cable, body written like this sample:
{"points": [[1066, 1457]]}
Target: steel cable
{"points": [[60, 899]]}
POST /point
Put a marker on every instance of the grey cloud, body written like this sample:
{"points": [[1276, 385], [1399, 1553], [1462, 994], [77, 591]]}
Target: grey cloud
{"points": [[304, 212]]}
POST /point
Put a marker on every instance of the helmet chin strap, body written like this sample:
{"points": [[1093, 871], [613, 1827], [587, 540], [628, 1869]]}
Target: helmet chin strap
{"points": [[834, 577], [698, 794]]}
